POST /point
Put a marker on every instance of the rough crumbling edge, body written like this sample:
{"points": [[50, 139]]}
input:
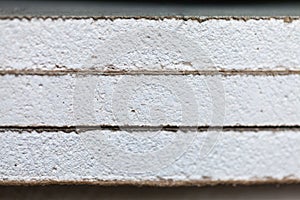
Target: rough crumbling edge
{"points": [[137, 128], [156, 183], [62, 71], [200, 19]]}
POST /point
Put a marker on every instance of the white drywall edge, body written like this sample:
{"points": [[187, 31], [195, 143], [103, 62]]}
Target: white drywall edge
{"points": [[237, 157], [149, 44], [152, 100]]}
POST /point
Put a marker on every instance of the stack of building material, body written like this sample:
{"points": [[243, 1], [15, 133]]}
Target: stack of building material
{"points": [[149, 100]]}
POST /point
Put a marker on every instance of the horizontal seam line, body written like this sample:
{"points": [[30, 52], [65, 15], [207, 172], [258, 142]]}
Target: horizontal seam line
{"points": [[142, 128], [148, 72], [200, 19], [161, 182]]}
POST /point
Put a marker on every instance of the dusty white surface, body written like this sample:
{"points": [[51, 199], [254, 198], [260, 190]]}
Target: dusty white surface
{"points": [[182, 100], [149, 44], [58, 156], [151, 100]]}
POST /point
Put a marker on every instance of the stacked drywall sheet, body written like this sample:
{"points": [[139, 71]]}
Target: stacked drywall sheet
{"points": [[149, 100]]}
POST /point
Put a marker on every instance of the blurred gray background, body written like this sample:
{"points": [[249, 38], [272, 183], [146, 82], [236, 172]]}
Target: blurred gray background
{"points": [[262, 192]]}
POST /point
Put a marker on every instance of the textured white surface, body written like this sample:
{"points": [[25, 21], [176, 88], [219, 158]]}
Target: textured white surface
{"points": [[238, 156], [269, 153], [67, 100], [149, 44]]}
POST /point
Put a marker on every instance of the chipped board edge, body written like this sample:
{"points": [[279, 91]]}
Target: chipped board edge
{"points": [[158, 183], [200, 19]]}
